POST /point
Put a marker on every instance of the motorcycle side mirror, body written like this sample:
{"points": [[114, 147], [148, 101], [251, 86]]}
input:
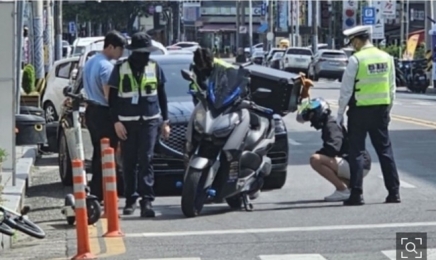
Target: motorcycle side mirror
{"points": [[187, 75], [261, 93], [66, 90]]}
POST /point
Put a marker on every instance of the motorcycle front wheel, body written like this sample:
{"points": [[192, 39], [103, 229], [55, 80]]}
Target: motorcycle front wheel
{"points": [[193, 193]]}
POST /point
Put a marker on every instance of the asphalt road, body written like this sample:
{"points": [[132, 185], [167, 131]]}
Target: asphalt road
{"points": [[288, 224]]}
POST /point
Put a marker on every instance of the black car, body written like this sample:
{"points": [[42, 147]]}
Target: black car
{"points": [[168, 159]]}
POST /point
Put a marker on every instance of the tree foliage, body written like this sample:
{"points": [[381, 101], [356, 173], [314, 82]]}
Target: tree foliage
{"points": [[121, 14], [28, 79]]}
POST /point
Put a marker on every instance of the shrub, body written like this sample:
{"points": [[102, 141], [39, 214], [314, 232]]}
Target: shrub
{"points": [[28, 79]]}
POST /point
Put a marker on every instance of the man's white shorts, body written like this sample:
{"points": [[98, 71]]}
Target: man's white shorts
{"points": [[344, 169]]}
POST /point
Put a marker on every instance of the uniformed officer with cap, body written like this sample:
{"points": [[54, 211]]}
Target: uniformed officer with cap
{"points": [[368, 89], [138, 102]]}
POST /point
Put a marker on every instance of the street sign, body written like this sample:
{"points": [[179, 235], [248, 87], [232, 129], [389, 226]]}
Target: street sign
{"points": [[72, 27], [242, 29], [270, 36], [263, 9], [378, 29], [389, 8], [349, 10], [368, 15]]}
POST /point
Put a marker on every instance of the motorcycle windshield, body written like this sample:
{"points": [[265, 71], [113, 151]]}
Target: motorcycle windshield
{"points": [[225, 86]]}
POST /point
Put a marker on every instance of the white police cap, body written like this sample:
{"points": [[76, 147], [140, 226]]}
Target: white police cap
{"points": [[357, 31]]}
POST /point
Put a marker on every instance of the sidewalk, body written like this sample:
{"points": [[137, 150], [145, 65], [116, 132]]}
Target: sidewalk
{"points": [[431, 91], [45, 197]]}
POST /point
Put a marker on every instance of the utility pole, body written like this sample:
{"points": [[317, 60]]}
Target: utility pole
{"points": [[271, 21], [243, 24], [47, 37], [297, 26], [428, 24], [250, 22], [58, 30], [38, 6], [330, 35], [401, 29], [19, 56], [291, 22], [408, 17], [238, 19], [315, 26]]}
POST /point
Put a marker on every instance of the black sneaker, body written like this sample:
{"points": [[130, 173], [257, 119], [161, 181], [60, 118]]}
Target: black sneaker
{"points": [[393, 197], [147, 209], [355, 199], [130, 207]]}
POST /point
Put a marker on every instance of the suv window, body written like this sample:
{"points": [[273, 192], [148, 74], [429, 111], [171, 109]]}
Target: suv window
{"points": [[63, 70], [185, 45], [334, 55], [299, 52]]}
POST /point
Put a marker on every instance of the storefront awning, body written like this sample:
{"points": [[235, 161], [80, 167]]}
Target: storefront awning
{"points": [[223, 28]]}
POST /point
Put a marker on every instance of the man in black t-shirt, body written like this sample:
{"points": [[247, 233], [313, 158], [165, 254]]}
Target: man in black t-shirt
{"points": [[331, 160]]}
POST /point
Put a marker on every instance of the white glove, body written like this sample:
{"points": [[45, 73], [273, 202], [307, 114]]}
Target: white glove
{"points": [[340, 120]]}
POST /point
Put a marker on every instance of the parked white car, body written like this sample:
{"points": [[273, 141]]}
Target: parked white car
{"points": [[58, 78], [296, 59], [256, 47], [189, 46]]}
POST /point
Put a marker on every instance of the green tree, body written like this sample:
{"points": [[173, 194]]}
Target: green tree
{"points": [[121, 14]]}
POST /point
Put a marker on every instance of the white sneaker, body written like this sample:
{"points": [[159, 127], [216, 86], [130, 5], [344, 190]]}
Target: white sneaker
{"points": [[338, 195]]}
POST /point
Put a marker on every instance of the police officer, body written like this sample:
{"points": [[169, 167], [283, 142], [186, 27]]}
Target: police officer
{"points": [[138, 102], [202, 67], [368, 89]]}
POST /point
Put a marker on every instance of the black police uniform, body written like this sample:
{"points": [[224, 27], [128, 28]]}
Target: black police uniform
{"points": [[141, 118]]}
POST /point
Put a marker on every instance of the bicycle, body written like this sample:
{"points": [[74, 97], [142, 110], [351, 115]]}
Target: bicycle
{"points": [[11, 221]]}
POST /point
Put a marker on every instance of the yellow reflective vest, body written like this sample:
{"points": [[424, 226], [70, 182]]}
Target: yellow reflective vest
{"points": [[372, 85]]}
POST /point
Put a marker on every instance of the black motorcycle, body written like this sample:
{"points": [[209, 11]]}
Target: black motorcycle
{"points": [[412, 75]]}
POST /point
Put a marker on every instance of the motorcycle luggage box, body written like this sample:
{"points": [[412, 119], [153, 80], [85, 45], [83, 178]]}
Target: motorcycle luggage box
{"points": [[285, 88]]}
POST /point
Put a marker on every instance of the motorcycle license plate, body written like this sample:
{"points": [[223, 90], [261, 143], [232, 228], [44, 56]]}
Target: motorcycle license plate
{"points": [[422, 78]]}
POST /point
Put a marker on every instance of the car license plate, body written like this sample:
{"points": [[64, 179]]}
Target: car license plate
{"points": [[334, 63], [300, 60], [82, 109]]}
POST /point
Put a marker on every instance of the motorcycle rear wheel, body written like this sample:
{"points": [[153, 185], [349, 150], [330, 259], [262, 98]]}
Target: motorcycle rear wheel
{"points": [[193, 194]]}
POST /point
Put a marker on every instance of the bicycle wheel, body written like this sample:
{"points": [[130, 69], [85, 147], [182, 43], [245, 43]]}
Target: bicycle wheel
{"points": [[26, 226], [6, 230]]}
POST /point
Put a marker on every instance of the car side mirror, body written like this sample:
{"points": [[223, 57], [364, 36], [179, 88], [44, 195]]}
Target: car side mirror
{"points": [[261, 93], [187, 75]]}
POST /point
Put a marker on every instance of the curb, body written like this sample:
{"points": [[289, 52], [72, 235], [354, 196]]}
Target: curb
{"points": [[431, 91], [13, 196]]}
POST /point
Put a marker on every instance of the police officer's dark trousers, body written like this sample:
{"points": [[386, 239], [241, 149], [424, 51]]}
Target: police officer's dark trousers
{"points": [[100, 126], [373, 120], [137, 154]]}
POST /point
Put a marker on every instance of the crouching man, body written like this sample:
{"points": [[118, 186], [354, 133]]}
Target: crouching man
{"points": [[331, 160]]}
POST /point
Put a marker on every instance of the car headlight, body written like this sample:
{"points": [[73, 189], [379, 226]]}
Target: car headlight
{"points": [[223, 132], [200, 117]]}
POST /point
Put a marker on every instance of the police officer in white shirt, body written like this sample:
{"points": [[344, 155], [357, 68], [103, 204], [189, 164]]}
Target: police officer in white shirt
{"points": [[368, 90]]}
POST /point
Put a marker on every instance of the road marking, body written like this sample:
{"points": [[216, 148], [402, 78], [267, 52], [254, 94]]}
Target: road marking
{"points": [[177, 258], [392, 254], [409, 120], [403, 184], [293, 257], [293, 142], [280, 230], [114, 245], [94, 241]]}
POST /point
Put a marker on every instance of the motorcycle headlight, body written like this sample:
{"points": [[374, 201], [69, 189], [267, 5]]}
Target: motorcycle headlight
{"points": [[200, 117], [279, 126]]}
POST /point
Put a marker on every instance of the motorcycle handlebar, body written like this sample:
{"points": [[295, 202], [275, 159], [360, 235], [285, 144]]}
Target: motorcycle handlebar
{"points": [[75, 96], [254, 106]]}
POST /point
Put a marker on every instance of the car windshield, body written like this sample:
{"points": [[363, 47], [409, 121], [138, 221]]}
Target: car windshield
{"points": [[176, 86], [258, 54], [278, 55], [296, 51], [334, 55]]}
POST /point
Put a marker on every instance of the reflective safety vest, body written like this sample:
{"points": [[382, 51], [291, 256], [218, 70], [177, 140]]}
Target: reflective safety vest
{"points": [[136, 100], [216, 62], [372, 85]]}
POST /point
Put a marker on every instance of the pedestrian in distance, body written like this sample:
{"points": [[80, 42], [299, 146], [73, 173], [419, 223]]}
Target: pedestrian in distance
{"points": [[368, 89], [138, 104], [331, 161], [96, 73]]}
